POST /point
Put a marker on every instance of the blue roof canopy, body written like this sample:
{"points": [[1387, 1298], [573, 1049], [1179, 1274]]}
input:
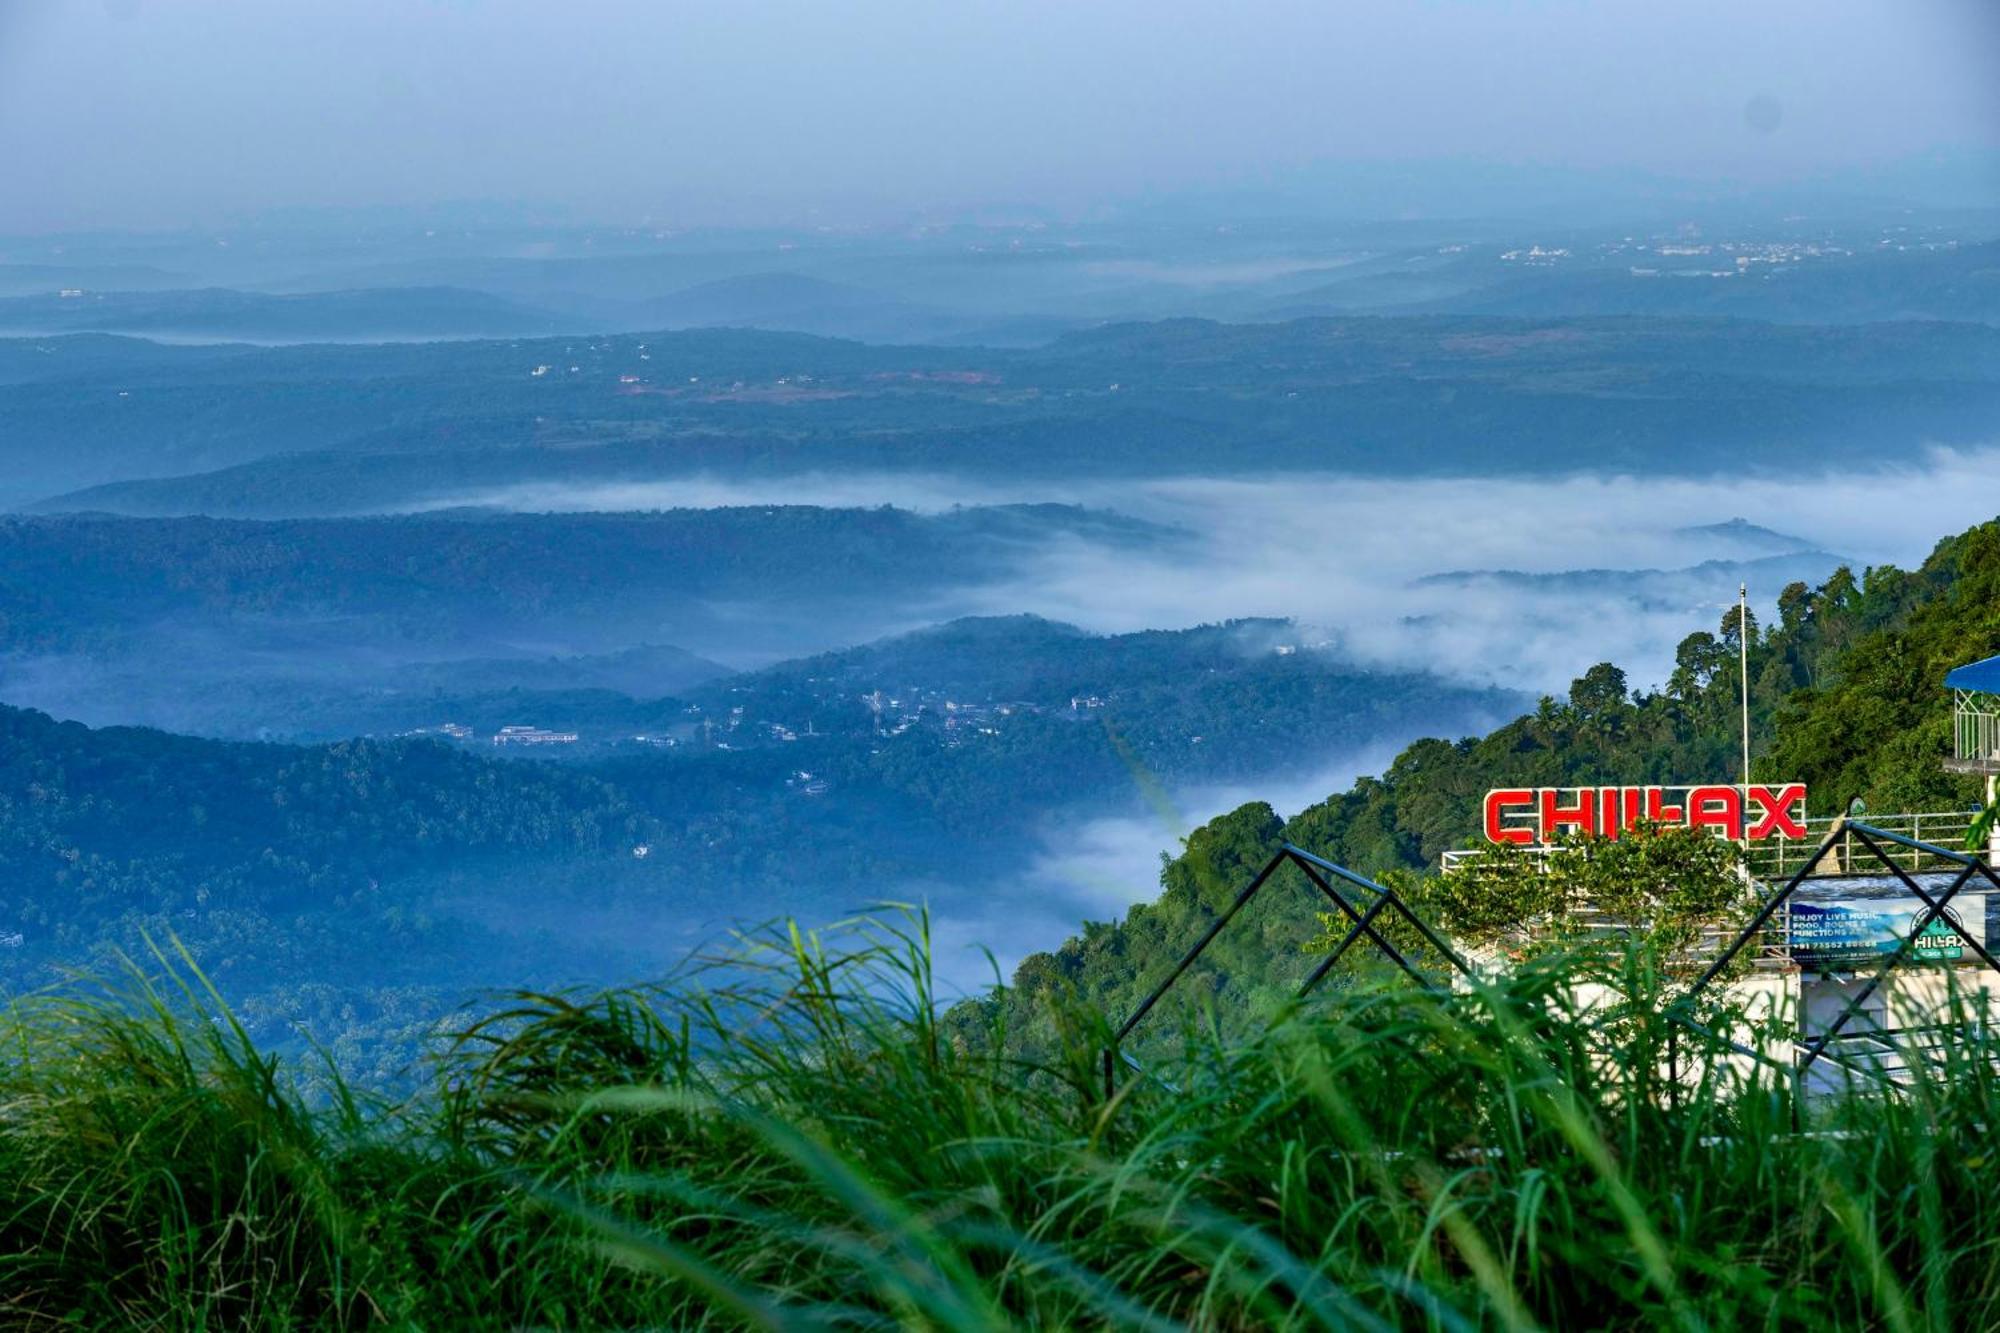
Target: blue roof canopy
{"points": [[1981, 676]]}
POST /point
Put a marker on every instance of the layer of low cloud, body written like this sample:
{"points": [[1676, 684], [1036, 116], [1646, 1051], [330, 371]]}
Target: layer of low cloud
{"points": [[1347, 556], [1094, 868]]}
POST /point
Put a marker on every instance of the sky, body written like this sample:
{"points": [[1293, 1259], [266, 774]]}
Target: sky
{"points": [[146, 114]]}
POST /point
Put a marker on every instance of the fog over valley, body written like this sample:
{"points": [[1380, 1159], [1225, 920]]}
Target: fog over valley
{"points": [[1515, 582], [679, 675]]}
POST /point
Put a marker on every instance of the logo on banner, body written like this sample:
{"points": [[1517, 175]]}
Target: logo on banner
{"points": [[1853, 932], [1526, 816]]}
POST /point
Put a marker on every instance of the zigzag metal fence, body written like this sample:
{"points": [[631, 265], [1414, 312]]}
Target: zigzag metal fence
{"points": [[1876, 842], [1323, 875]]}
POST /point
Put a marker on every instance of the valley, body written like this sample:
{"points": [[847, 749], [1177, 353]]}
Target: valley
{"points": [[388, 629]]}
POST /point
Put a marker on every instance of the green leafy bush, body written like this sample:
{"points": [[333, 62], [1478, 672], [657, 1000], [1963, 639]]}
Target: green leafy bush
{"points": [[1662, 885]]}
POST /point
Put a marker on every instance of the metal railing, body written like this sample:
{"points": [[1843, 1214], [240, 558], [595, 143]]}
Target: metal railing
{"points": [[1846, 855], [1975, 730], [1776, 858], [1879, 845]]}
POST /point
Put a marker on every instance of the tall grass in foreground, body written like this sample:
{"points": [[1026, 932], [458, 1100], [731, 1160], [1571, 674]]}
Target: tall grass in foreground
{"points": [[808, 1145]]}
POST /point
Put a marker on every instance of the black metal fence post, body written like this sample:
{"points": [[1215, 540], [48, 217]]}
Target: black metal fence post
{"points": [[1316, 870], [1872, 839]]}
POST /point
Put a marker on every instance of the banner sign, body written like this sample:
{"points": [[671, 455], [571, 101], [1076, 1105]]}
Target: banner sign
{"points": [[1525, 816], [1856, 931]]}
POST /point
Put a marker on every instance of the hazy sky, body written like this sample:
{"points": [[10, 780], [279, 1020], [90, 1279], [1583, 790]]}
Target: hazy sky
{"points": [[135, 113]]}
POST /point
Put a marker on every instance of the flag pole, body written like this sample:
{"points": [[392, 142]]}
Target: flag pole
{"points": [[1743, 662]]}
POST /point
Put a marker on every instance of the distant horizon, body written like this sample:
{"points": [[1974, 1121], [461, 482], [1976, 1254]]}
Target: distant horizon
{"points": [[147, 117], [1356, 193]]}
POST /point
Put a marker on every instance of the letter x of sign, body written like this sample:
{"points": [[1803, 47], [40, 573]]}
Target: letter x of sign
{"points": [[1777, 811]]}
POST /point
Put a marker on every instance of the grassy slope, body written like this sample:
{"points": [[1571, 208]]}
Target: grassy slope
{"points": [[832, 1159]]}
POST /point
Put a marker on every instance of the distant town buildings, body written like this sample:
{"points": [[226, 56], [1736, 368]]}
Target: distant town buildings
{"points": [[532, 736], [450, 730]]}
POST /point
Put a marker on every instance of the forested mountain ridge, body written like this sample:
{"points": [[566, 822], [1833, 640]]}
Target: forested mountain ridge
{"points": [[1847, 696], [97, 803], [357, 886], [1174, 397], [275, 863], [98, 822], [65, 576]]}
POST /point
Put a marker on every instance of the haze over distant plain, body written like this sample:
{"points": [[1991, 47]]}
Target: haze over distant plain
{"points": [[135, 114]]}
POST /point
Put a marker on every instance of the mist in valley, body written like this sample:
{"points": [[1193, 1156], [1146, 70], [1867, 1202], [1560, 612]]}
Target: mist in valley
{"points": [[1399, 573], [1521, 584], [1092, 867]]}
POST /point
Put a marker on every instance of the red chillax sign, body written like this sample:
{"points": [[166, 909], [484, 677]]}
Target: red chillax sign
{"points": [[1525, 816]]}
